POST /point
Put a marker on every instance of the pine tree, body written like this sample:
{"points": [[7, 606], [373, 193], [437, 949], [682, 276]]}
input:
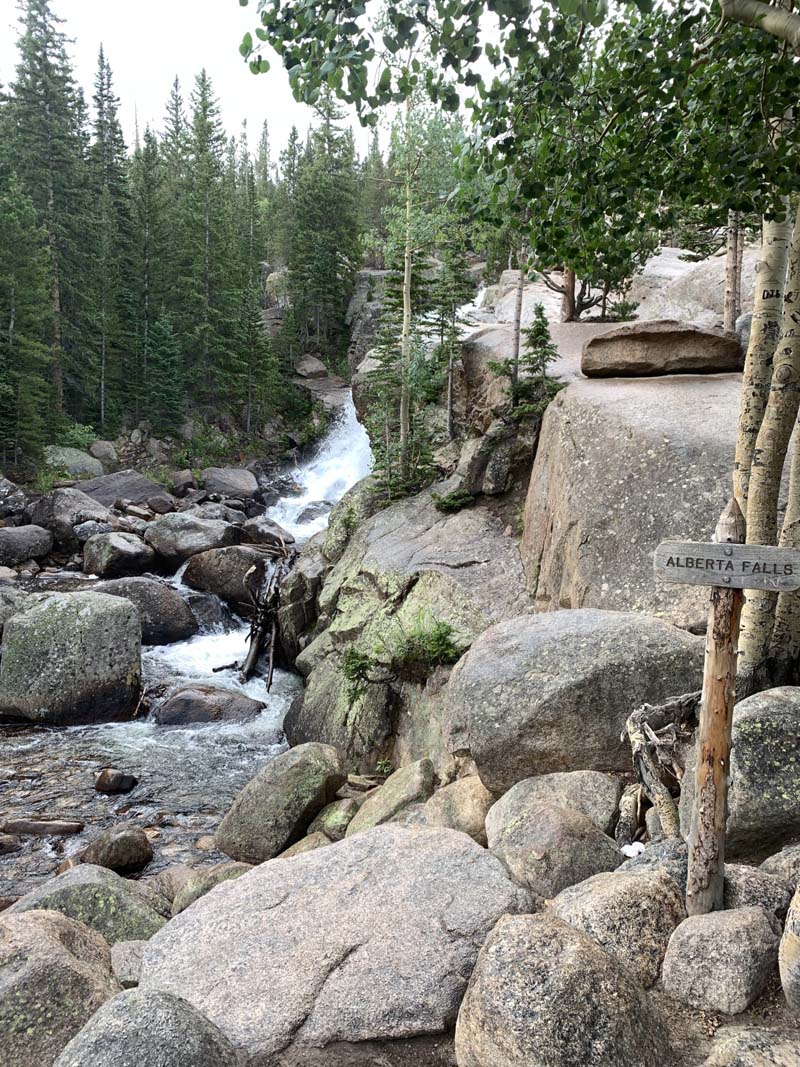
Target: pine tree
{"points": [[24, 307], [164, 394], [374, 199], [44, 144]]}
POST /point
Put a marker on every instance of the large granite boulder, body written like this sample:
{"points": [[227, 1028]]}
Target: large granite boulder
{"points": [[21, 543], [117, 908], [544, 994], [117, 555], [589, 792], [61, 510], [54, 975], [548, 848], [74, 461], [789, 955], [222, 571], [150, 1029], [230, 481], [354, 953], [632, 916], [764, 795], [263, 531], [697, 292], [178, 536], [165, 615], [71, 658], [721, 961], [105, 452], [204, 880], [276, 807], [605, 447], [646, 349], [461, 805], [197, 703], [127, 485], [13, 500], [552, 692], [755, 1046], [785, 864], [406, 568]]}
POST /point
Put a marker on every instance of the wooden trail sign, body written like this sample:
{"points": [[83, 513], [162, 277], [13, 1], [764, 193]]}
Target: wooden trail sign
{"points": [[729, 566]]}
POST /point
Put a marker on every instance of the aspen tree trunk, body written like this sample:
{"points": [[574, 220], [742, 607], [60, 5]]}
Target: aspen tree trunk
{"points": [[704, 887], [568, 299], [739, 265], [517, 330], [405, 335], [765, 476], [731, 263], [785, 648], [764, 334]]}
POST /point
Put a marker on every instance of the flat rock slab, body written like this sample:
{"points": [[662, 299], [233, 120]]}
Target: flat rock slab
{"points": [[127, 485], [346, 954], [645, 349]]}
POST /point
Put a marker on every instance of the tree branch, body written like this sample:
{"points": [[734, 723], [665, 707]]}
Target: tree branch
{"points": [[776, 21]]}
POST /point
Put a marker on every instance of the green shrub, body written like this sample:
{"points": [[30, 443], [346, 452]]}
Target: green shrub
{"points": [[356, 667], [452, 502], [431, 644], [77, 435]]}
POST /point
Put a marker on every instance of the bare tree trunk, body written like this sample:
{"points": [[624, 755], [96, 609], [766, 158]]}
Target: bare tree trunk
{"points": [[785, 645], [731, 264], [704, 887], [56, 365], [517, 328], [405, 335], [765, 476], [568, 299], [739, 265], [764, 333]]}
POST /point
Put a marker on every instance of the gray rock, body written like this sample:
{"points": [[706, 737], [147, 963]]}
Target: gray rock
{"points": [[127, 485], [216, 510], [589, 792], [54, 975], [645, 349], [670, 855], [404, 787], [21, 543], [84, 530], [311, 367], [117, 908], [71, 658], [748, 887], [299, 608], [123, 849], [61, 510], [203, 881], [13, 500], [276, 807], [334, 819], [632, 916], [164, 614], [126, 962], [74, 461], [764, 796], [357, 952], [547, 848], [182, 482], [785, 863], [752, 1046], [306, 844], [178, 536], [117, 555], [9, 843], [672, 441], [790, 955], [192, 704], [263, 531], [462, 805], [148, 1028], [222, 571], [544, 994], [230, 481], [743, 326], [552, 692], [721, 961], [105, 452]]}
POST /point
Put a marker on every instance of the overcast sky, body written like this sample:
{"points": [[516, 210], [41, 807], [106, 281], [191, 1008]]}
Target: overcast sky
{"points": [[148, 42]]}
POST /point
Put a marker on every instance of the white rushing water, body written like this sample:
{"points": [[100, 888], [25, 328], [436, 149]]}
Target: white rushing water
{"points": [[343, 459]]}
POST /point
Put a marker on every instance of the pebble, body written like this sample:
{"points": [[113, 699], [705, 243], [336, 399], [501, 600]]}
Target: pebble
{"points": [[111, 780], [9, 843]]}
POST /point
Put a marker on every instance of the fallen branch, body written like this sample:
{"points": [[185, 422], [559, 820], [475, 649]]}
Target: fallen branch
{"points": [[263, 587], [653, 732]]}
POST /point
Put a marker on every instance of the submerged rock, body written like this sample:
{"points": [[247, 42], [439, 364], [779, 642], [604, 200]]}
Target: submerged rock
{"points": [[71, 658], [276, 807], [357, 952], [192, 704], [151, 1029], [54, 975], [552, 692], [544, 994]]}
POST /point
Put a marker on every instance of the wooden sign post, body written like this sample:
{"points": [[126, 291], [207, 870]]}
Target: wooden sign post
{"points": [[729, 566]]}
